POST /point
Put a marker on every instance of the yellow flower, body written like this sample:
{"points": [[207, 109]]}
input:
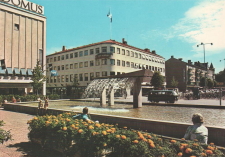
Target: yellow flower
{"points": [[80, 130], [64, 128], [117, 136], [104, 132], [104, 144], [90, 127], [35, 118]]}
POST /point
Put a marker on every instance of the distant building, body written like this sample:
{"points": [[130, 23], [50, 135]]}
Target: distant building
{"points": [[22, 43], [187, 74], [100, 59]]}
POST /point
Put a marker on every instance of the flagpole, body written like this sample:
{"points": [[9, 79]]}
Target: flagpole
{"points": [[110, 30]]}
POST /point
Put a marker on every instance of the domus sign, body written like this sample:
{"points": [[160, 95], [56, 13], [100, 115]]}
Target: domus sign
{"points": [[26, 5]]}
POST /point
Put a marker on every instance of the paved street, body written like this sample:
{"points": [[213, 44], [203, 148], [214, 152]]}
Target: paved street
{"points": [[20, 145]]}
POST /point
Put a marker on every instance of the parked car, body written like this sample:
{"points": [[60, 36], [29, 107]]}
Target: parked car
{"points": [[169, 96]]}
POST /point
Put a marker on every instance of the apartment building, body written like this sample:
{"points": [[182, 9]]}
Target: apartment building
{"points": [[22, 43], [187, 74], [100, 59]]}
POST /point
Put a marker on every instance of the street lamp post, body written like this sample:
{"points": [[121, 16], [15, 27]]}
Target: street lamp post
{"points": [[203, 44]]}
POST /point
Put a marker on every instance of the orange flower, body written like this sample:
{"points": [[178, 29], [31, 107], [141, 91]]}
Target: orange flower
{"points": [[72, 126], [104, 132], [182, 148], [184, 144], [104, 144], [125, 127], [150, 141], [209, 152], [173, 141], [80, 130], [183, 139], [109, 130], [211, 143], [193, 156], [135, 141], [188, 150], [94, 133], [211, 148], [35, 118], [203, 154], [149, 136], [64, 128], [180, 154], [98, 125], [68, 120], [195, 144], [152, 145], [123, 137]]}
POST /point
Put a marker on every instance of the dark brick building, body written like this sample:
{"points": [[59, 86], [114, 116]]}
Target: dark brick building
{"points": [[187, 74]]}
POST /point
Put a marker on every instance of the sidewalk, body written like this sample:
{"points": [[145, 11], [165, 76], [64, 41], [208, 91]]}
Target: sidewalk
{"points": [[20, 146]]}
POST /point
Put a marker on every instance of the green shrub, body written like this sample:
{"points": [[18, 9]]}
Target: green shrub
{"points": [[4, 135]]}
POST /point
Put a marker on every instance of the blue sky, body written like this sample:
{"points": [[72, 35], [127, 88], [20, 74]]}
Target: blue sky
{"points": [[170, 27]]}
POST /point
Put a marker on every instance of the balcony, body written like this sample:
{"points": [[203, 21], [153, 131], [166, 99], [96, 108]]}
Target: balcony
{"points": [[103, 55]]}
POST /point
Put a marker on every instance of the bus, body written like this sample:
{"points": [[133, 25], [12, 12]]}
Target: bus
{"points": [[168, 96]]}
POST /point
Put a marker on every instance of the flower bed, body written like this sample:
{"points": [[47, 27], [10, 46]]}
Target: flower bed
{"points": [[90, 139]]}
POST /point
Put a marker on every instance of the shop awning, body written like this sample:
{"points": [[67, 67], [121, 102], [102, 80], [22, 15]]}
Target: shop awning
{"points": [[29, 72], [23, 72], [9, 71], [16, 71]]}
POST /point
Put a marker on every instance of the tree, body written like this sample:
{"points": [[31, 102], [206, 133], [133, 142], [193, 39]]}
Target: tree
{"points": [[210, 83], [38, 78], [220, 77], [174, 82], [157, 80], [202, 82]]}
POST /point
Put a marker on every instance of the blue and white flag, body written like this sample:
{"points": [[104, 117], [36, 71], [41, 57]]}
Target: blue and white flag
{"points": [[109, 15], [54, 73]]}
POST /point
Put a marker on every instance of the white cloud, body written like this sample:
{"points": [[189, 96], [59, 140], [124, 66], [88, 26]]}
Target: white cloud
{"points": [[205, 23]]}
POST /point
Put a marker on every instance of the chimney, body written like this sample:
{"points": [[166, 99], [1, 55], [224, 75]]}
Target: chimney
{"points": [[147, 50], [124, 42], [180, 59], [63, 48], [189, 62], [172, 57], [153, 51]]}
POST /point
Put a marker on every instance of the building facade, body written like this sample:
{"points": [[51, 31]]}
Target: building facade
{"points": [[100, 59], [187, 74], [22, 43]]}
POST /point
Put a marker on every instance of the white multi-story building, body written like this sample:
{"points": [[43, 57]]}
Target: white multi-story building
{"points": [[100, 59], [22, 43]]}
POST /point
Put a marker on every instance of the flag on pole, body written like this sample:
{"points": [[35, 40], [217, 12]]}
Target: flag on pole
{"points": [[109, 15]]}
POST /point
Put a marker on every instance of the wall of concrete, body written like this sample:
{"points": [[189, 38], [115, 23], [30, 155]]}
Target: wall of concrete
{"points": [[176, 130]]}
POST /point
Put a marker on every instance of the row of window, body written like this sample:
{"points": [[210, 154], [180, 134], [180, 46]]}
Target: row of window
{"points": [[104, 50], [84, 77], [104, 62]]}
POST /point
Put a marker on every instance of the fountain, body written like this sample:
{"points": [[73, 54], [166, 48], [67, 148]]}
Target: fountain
{"points": [[106, 86]]}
